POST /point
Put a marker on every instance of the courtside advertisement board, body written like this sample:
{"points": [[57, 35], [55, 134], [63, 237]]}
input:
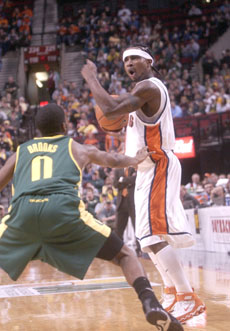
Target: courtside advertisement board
{"points": [[185, 147]]}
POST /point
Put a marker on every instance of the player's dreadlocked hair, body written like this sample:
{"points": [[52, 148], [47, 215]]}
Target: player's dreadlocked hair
{"points": [[49, 119], [149, 51]]}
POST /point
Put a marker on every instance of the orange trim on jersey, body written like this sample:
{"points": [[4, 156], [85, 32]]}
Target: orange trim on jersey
{"points": [[157, 198]]}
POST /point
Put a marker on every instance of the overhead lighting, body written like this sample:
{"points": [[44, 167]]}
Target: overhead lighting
{"points": [[39, 83], [42, 76]]}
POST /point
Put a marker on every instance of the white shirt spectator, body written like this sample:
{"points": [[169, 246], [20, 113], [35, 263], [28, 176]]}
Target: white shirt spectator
{"points": [[194, 11], [124, 14]]}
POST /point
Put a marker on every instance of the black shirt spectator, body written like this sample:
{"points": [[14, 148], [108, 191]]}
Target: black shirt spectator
{"points": [[11, 87]]}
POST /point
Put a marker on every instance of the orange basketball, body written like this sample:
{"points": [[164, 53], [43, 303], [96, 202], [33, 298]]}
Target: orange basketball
{"points": [[106, 124]]}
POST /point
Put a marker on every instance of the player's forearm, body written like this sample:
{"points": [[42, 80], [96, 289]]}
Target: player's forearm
{"points": [[122, 161], [102, 98]]}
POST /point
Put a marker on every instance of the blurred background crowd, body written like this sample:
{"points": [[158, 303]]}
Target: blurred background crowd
{"points": [[179, 43]]}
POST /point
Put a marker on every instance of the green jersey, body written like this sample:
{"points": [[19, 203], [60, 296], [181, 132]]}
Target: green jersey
{"points": [[52, 168], [47, 220]]}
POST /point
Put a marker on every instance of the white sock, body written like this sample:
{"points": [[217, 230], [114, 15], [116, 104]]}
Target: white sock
{"points": [[165, 277], [169, 261]]}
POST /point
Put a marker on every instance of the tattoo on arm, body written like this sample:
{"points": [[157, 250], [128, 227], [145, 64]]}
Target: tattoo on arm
{"points": [[130, 104]]}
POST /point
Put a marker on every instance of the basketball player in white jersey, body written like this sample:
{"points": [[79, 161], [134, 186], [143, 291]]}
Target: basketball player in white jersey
{"points": [[161, 223]]}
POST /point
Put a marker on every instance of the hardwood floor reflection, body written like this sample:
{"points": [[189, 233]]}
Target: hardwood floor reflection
{"points": [[45, 299]]}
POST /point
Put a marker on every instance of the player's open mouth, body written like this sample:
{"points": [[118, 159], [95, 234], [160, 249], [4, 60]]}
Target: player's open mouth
{"points": [[131, 73]]}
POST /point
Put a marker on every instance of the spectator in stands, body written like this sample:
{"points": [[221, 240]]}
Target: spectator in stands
{"points": [[84, 127], [208, 187], [51, 83], [108, 214], [201, 196], [113, 54], [87, 174], [100, 205], [209, 62], [97, 181], [187, 199], [27, 12], [218, 196], [23, 105], [108, 186], [90, 139], [194, 11], [74, 89], [124, 14], [5, 108], [104, 77], [193, 185], [176, 110], [60, 91], [111, 193], [225, 57], [112, 142], [62, 32], [213, 178], [119, 89], [13, 40], [225, 6], [73, 34], [11, 87], [90, 200], [192, 49]]}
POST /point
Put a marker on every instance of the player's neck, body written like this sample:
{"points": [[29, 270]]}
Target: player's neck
{"points": [[145, 76]]}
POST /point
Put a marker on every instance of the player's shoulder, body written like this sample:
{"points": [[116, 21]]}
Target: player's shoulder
{"points": [[149, 84], [82, 149], [146, 89]]}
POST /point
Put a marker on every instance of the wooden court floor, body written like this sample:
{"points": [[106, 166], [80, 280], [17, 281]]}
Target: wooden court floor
{"points": [[45, 299]]}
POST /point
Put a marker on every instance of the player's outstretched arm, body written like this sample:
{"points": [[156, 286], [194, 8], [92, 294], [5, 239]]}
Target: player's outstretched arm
{"points": [[7, 171], [115, 160], [85, 154]]}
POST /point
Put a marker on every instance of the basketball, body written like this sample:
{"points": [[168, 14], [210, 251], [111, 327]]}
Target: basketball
{"points": [[115, 124]]}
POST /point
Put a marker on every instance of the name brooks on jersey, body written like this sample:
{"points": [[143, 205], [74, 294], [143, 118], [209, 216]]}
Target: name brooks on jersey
{"points": [[42, 147]]}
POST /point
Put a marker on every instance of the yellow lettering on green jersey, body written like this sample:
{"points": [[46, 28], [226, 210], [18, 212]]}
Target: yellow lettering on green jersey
{"points": [[42, 147]]}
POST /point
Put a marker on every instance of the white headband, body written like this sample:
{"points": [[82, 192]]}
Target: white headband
{"points": [[138, 52]]}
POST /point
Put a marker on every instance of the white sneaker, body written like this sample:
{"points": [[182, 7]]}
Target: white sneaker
{"points": [[169, 298], [187, 306]]}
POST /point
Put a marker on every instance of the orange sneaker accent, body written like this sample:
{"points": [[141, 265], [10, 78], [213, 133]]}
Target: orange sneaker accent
{"points": [[169, 298], [170, 290], [187, 306]]}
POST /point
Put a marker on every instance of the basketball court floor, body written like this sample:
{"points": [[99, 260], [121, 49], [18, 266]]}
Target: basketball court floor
{"points": [[46, 299]]}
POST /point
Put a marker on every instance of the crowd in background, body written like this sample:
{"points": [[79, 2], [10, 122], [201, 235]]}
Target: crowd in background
{"points": [[176, 49], [212, 190], [103, 35], [15, 25]]}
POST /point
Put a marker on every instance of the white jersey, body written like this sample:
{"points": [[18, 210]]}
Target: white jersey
{"points": [[156, 132], [159, 211]]}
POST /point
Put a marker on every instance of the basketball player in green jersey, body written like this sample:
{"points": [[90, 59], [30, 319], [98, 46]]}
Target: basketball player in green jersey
{"points": [[47, 219]]}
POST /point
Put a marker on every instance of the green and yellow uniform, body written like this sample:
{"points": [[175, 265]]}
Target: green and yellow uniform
{"points": [[47, 219]]}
